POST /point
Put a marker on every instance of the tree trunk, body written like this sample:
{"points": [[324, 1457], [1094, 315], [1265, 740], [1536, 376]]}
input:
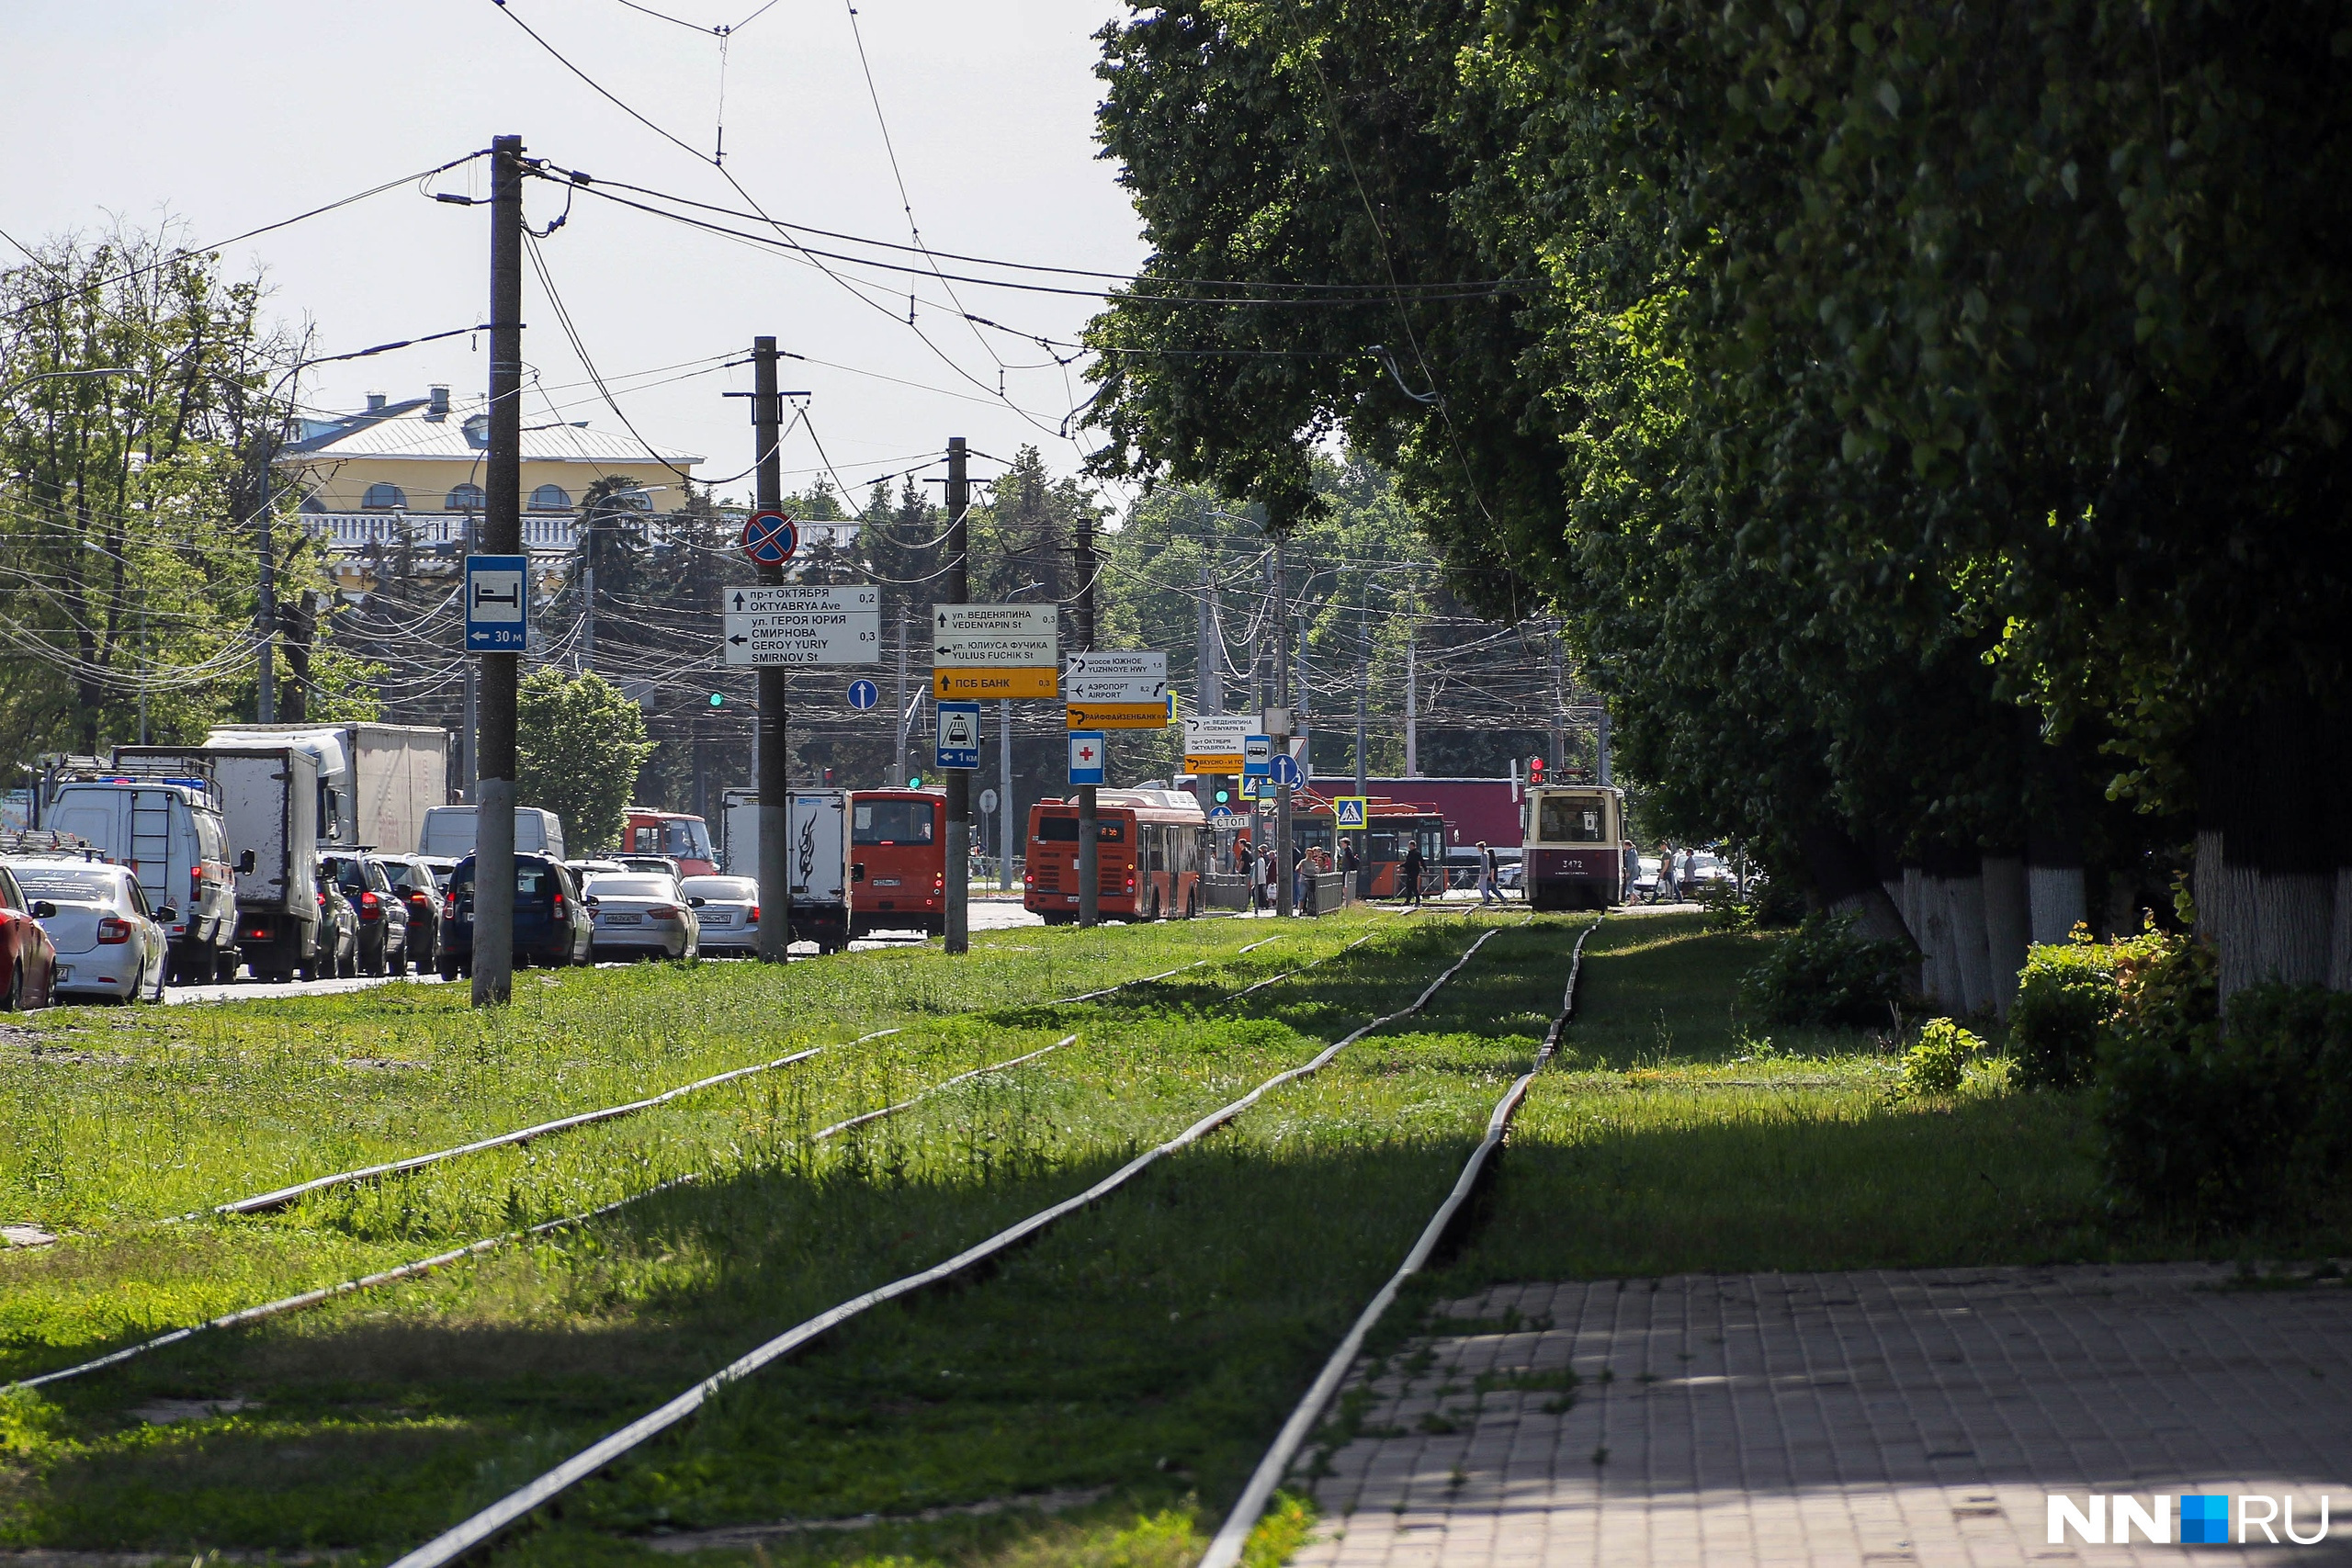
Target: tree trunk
{"points": [[1939, 965], [2055, 901], [2294, 920], [2265, 783], [2339, 947], [1971, 950], [1914, 904], [2007, 928], [1845, 877]]}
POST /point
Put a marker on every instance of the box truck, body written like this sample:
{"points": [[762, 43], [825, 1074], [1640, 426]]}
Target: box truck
{"points": [[376, 781], [819, 859]]}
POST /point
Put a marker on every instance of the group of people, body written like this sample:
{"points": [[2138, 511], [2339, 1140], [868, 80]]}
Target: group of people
{"points": [[1258, 865]]}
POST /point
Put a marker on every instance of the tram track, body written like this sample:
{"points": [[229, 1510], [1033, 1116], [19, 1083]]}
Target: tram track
{"points": [[490, 1521]]}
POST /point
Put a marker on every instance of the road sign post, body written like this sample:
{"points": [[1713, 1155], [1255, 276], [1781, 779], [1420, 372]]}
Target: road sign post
{"points": [[959, 736], [498, 603], [994, 651], [770, 537], [801, 624], [1085, 757], [1351, 811], [1121, 689], [864, 695]]}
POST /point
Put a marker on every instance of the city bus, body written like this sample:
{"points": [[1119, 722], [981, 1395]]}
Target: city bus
{"points": [[1391, 828], [1151, 847], [1573, 853], [897, 861]]}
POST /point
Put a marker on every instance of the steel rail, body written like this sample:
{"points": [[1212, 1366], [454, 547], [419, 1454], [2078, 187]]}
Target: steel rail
{"points": [[473, 1249], [464, 1537], [1224, 1551], [263, 1201]]}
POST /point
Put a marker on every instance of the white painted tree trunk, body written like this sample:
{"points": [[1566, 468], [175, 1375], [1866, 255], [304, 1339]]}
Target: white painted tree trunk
{"points": [[1875, 917], [2226, 912], [1971, 949], [1940, 968], [2006, 928], [1895, 895], [2054, 902], [2294, 919], [1914, 907], [2339, 946]]}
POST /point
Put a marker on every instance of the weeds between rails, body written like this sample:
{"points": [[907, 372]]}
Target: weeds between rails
{"points": [[402, 1415], [130, 1284]]}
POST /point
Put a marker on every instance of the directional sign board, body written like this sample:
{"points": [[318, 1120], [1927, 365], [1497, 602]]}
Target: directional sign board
{"points": [[770, 538], [1213, 741], [1285, 771], [1086, 757], [994, 651], [1257, 757], [959, 735], [1118, 689], [498, 603], [1352, 811], [803, 624]]}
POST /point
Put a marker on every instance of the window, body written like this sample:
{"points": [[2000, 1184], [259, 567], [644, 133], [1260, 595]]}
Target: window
{"points": [[466, 498], [385, 498], [686, 838], [611, 886], [550, 498], [1064, 830], [892, 822], [1563, 819]]}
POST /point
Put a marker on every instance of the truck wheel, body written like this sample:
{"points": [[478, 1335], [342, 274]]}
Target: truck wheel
{"points": [[448, 970], [309, 968], [225, 965]]}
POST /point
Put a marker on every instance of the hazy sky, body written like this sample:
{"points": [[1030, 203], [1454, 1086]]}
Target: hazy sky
{"points": [[230, 113]]}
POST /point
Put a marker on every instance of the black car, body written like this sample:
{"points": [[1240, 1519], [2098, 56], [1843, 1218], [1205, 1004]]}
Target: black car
{"points": [[419, 886], [366, 882], [337, 952], [552, 926]]}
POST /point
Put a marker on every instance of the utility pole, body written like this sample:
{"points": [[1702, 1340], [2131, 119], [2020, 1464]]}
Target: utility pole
{"points": [[958, 780], [1412, 702], [1285, 904], [1005, 816], [587, 658], [1208, 674], [502, 534], [1601, 738], [1559, 759], [1363, 692], [775, 762], [266, 616], [469, 763], [1089, 848], [899, 758]]}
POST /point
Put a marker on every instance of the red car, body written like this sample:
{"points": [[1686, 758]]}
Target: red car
{"points": [[25, 948]]}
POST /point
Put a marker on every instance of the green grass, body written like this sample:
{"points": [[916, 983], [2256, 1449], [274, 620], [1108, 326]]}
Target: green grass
{"points": [[1148, 1345]]}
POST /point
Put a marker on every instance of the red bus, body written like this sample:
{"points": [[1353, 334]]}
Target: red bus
{"points": [[683, 837], [1151, 848], [897, 861], [1392, 827]]}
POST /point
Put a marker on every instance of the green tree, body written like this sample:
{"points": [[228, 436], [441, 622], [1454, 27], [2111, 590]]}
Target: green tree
{"points": [[579, 744]]}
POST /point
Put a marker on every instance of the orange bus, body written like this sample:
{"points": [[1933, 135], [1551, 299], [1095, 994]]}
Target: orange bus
{"points": [[1151, 847], [1392, 827], [684, 838], [897, 861]]}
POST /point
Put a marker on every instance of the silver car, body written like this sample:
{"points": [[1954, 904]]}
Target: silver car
{"points": [[728, 908], [109, 945], [639, 915]]}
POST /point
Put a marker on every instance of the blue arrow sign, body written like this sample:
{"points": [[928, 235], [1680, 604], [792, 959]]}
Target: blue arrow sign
{"points": [[864, 695], [1284, 771]]}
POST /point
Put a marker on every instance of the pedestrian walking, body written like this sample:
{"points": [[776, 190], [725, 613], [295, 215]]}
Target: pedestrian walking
{"points": [[1301, 877], [1409, 871], [1664, 887], [1490, 877], [1349, 864]]}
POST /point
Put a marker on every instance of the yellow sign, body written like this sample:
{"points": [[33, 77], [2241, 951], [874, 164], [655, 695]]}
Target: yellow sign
{"points": [[1040, 681], [1118, 716], [1212, 762]]}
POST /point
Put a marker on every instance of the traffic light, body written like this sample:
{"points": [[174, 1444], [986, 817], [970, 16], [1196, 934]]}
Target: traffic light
{"points": [[1222, 797], [829, 778], [915, 782], [1535, 769], [719, 699]]}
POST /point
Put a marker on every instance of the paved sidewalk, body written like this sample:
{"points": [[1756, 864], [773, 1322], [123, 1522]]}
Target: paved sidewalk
{"points": [[1881, 1419]]}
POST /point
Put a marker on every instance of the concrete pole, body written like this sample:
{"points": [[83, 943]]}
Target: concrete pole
{"points": [[1285, 905], [1090, 845], [1006, 816], [775, 754], [1412, 705], [957, 590], [493, 957]]}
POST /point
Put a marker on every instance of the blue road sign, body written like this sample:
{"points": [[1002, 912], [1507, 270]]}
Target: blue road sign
{"points": [[1086, 756], [959, 735], [770, 538], [1352, 809], [1257, 755], [1284, 771], [498, 603], [864, 695], [1220, 814]]}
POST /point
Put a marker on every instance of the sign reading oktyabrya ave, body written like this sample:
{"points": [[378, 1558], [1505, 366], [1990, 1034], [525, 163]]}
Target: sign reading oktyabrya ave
{"points": [[994, 651], [803, 624]]}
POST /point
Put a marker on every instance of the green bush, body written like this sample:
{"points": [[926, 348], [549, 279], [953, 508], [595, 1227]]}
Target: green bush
{"points": [[1939, 1061], [2246, 1124], [2066, 995], [1770, 905], [1823, 974]]}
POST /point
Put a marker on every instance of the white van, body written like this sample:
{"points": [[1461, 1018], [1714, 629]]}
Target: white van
{"points": [[169, 831], [450, 831]]}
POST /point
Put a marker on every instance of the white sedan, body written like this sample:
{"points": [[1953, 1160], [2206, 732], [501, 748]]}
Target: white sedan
{"points": [[638, 914], [109, 945], [729, 909]]}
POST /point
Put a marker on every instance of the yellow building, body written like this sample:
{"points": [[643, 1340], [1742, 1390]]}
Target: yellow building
{"points": [[411, 473]]}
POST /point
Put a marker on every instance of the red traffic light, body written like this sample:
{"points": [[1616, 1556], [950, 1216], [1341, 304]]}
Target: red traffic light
{"points": [[1535, 764]]}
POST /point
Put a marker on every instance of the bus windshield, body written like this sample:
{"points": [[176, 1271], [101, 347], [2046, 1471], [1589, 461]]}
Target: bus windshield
{"points": [[891, 822]]}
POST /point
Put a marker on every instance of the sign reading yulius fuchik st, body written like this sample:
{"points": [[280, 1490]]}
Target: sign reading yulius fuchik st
{"points": [[995, 650], [802, 623], [1121, 689]]}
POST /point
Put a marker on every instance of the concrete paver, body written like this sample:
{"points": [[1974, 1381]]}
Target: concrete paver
{"points": [[1881, 1419]]}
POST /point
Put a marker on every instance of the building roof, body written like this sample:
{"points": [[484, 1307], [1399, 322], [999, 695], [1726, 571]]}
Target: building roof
{"points": [[410, 429]]}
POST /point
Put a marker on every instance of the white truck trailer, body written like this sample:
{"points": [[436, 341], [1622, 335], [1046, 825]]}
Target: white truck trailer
{"points": [[376, 781], [819, 861]]}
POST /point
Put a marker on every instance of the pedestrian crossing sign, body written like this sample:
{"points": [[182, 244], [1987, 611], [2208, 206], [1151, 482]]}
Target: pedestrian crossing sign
{"points": [[1352, 810]]}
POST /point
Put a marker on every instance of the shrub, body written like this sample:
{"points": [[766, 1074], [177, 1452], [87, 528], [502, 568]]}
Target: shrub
{"points": [[1823, 974], [1770, 905], [2246, 1125], [1937, 1063], [2066, 994]]}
